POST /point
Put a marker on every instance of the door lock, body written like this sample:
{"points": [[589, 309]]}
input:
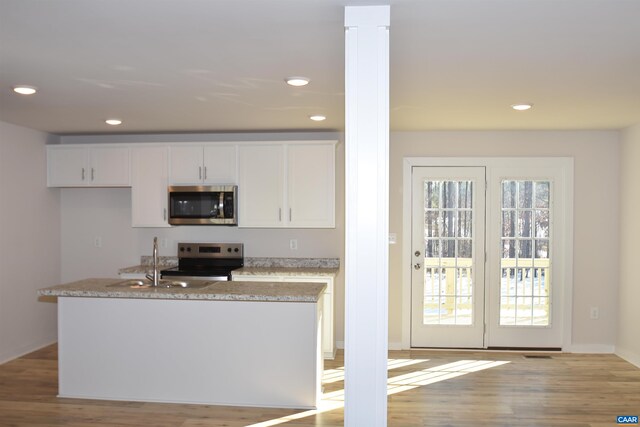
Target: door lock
{"points": [[417, 266], [417, 253]]}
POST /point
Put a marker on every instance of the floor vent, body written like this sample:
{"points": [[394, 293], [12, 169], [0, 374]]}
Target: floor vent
{"points": [[536, 356]]}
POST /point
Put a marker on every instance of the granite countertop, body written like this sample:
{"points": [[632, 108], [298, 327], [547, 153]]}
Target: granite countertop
{"points": [[255, 266], [216, 291], [284, 271]]}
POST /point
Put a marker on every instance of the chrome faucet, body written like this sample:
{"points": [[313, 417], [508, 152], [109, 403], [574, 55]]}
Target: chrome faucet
{"points": [[155, 276]]}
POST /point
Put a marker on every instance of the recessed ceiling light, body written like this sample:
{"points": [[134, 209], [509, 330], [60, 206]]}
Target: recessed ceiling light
{"points": [[297, 81], [113, 122], [318, 118], [521, 107], [24, 90]]}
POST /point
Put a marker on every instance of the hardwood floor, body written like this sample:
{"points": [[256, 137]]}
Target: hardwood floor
{"points": [[427, 388]]}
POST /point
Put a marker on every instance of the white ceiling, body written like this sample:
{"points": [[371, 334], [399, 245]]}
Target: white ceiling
{"points": [[219, 65]]}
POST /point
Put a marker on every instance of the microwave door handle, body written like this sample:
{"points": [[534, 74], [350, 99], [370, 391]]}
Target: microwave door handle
{"points": [[221, 205]]}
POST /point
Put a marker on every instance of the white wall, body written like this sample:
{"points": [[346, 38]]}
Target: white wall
{"points": [[628, 343], [596, 198], [30, 242]]}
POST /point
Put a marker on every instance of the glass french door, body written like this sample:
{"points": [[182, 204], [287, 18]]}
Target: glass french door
{"points": [[526, 256], [489, 255], [448, 257]]}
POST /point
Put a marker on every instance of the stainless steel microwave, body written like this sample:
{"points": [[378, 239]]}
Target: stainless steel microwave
{"points": [[203, 205]]}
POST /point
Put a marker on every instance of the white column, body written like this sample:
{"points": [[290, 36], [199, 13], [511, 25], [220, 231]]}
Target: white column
{"points": [[367, 214]]}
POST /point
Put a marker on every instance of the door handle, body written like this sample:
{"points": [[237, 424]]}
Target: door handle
{"points": [[164, 214], [199, 172], [417, 266], [205, 173]]}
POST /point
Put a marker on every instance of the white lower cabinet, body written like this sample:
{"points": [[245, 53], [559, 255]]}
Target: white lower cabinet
{"points": [[328, 341], [149, 180]]}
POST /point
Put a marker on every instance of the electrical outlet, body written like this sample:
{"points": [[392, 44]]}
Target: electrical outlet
{"points": [[164, 242], [293, 244], [97, 242], [595, 313]]}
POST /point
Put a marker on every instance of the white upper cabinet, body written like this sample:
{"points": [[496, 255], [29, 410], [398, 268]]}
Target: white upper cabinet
{"points": [[67, 166], [149, 180], [198, 164], [287, 185], [311, 185], [79, 166], [260, 185], [109, 166]]}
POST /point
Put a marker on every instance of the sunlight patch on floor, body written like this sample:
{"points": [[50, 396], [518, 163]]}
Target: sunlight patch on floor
{"points": [[335, 375], [409, 381]]}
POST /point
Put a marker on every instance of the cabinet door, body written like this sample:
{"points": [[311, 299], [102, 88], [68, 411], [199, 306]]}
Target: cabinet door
{"points": [[149, 180], [261, 186], [109, 166], [67, 166], [328, 343], [220, 164], [186, 165], [311, 185]]}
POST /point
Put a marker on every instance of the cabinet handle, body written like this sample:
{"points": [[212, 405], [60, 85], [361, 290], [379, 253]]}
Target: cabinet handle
{"points": [[199, 172], [279, 214], [83, 174], [205, 173], [164, 215], [289, 214], [91, 174]]}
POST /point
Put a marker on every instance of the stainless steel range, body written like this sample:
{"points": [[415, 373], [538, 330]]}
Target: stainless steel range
{"points": [[206, 261]]}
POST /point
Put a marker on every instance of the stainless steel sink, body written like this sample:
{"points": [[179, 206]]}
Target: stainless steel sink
{"points": [[163, 284]]}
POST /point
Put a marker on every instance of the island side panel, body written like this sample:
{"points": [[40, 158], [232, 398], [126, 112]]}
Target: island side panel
{"points": [[211, 352]]}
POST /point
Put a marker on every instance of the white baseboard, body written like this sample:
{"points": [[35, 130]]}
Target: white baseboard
{"points": [[21, 351], [590, 349], [629, 356], [395, 346], [575, 348]]}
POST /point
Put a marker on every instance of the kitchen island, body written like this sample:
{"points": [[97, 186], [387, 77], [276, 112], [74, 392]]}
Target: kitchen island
{"points": [[224, 343]]}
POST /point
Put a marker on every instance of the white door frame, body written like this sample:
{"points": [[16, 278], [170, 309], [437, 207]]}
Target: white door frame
{"points": [[409, 162]]}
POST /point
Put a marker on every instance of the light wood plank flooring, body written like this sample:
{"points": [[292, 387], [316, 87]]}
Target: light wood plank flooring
{"points": [[427, 388]]}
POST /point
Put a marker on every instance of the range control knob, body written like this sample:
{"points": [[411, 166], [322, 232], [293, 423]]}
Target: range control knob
{"points": [[236, 250], [228, 249], [189, 249], [181, 248]]}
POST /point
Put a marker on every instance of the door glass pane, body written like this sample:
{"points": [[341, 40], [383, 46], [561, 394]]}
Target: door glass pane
{"points": [[508, 194], [448, 272], [525, 265]]}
